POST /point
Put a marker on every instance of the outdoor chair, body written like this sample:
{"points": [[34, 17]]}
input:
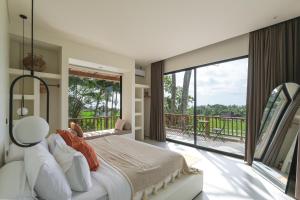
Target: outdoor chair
{"points": [[218, 131], [186, 128]]}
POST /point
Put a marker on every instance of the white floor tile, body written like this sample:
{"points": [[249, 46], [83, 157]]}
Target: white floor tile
{"points": [[226, 177]]}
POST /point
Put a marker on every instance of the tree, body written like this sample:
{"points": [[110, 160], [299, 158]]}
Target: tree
{"points": [[185, 91], [114, 96], [97, 95], [78, 95], [219, 110], [173, 94], [92, 95]]}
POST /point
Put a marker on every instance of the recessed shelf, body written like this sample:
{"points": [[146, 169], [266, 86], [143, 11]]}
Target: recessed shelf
{"points": [[138, 128], [141, 86], [139, 110], [26, 97], [38, 74]]}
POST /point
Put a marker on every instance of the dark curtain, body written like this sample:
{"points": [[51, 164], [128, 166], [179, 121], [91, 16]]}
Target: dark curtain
{"points": [[274, 58], [157, 129]]}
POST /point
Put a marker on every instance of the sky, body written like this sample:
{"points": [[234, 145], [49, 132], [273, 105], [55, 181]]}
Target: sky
{"points": [[224, 83]]}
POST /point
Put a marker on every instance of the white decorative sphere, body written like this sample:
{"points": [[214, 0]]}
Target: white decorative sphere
{"points": [[30, 129]]}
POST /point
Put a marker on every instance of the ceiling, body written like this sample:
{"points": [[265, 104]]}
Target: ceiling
{"points": [[152, 30]]}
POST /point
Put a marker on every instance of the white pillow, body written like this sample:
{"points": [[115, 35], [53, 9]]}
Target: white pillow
{"points": [[16, 153], [13, 182], [44, 175], [53, 140], [75, 166]]}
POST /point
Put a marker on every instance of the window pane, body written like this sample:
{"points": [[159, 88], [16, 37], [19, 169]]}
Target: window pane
{"points": [[179, 106], [94, 103], [221, 106]]}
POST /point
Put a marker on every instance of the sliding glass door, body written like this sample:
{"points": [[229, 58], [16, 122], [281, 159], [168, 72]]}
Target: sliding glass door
{"points": [[206, 106], [179, 106]]}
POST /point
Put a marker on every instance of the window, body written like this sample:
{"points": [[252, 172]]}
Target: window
{"points": [[206, 106], [94, 99]]}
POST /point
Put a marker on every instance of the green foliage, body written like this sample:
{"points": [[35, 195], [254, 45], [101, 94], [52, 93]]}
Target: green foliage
{"points": [[218, 109], [178, 97], [87, 114], [90, 97]]}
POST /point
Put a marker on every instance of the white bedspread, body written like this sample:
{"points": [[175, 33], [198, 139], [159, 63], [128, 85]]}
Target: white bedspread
{"points": [[115, 183], [97, 192]]}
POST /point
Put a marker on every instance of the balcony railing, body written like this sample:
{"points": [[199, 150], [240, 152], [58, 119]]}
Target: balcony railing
{"points": [[96, 123], [232, 127]]}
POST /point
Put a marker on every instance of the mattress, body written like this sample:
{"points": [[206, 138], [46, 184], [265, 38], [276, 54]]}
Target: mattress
{"points": [[97, 192]]}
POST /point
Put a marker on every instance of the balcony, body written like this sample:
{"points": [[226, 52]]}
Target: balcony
{"points": [[89, 124], [215, 132]]}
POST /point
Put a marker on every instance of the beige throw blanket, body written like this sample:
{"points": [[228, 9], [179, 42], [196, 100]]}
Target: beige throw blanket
{"points": [[142, 164]]}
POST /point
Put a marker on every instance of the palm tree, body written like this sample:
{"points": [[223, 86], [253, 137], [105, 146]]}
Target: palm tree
{"points": [[185, 90], [79, 90], [98, 95], [173, 93]]}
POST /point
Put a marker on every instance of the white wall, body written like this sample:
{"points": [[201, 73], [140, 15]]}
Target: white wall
{"points": [[227, 49], [4, 63], [112, 61]]}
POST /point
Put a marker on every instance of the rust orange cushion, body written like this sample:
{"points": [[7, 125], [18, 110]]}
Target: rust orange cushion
{"points": [[75, 127], [67, 136], [79, 144]]}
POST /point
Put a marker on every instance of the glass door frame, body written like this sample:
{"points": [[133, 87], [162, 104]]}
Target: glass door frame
{"points": [[195, 145]]}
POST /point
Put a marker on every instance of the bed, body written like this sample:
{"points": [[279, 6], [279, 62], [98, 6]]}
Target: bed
{"points": [[131, 177], [186, 187], [97, 192], [144, 171]]}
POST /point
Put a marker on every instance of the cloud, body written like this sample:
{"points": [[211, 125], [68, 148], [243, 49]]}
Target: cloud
{"points": [[224, 83]]}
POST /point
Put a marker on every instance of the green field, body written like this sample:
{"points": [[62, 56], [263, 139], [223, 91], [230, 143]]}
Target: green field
{"points": [[86, 114]]}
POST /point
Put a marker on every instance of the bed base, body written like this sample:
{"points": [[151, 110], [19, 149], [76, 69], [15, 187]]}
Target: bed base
{"points": [[187, 187]]}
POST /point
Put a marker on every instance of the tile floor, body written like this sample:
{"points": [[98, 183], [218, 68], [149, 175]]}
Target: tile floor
{"points": [[225, 178]]}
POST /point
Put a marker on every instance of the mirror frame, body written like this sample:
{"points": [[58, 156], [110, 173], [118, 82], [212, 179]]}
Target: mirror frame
{"points": [[273, 131], [278, 125]]}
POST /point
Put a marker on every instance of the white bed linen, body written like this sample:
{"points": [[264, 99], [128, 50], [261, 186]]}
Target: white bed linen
{"points": [[13, 182], [115, 184], [109, 184], [44, 175], [96, 192]]}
